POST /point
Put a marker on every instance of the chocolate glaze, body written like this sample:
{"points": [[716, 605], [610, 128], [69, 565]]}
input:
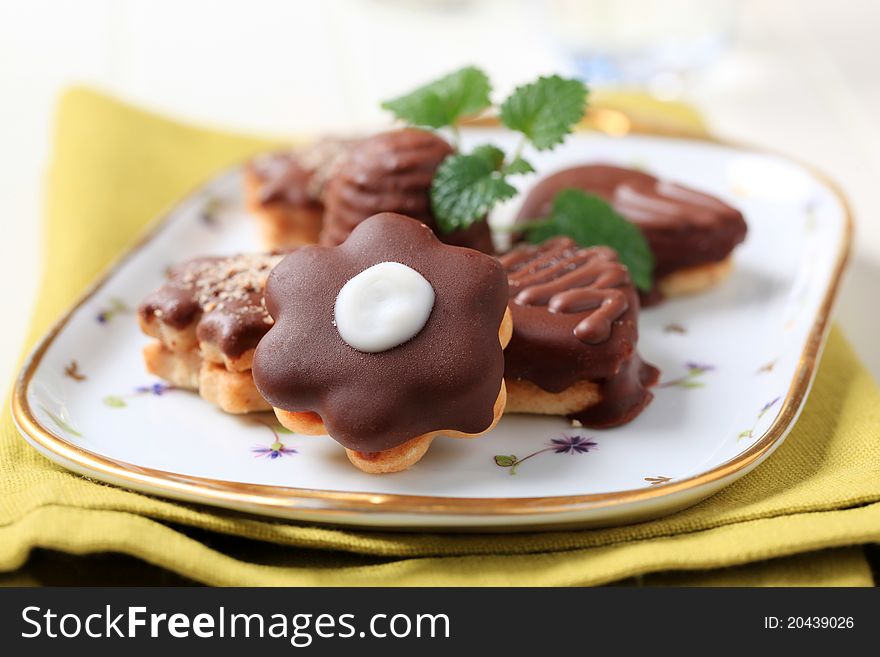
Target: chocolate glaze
{"points": [[446, 377], [223, 294], [392, 172], [684, 227], [575, 319], [298, 177]]}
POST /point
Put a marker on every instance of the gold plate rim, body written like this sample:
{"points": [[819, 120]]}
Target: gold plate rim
{"points": [[316, 504]]}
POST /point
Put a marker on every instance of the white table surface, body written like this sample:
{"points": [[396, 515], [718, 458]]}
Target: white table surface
{"points": [[799, 78]]}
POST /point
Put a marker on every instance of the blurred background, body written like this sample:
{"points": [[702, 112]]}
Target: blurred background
{"points": [[798, 76]]}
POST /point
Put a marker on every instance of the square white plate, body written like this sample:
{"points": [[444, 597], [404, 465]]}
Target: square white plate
{"points": [[736, 363]]}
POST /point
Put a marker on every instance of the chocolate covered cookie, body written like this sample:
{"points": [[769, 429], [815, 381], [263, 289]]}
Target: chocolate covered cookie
{"points": [[385, 342], [207, 320], [691, 234], [573, 350], [392, 172], [285, 190]]}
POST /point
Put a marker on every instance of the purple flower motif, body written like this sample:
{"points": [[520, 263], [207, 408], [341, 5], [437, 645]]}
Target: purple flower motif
{"points": [[572, 445], [276, 450], [766, 407], [157, 389], [564, 445], [690, 380], [113, 308], [750, 433]]}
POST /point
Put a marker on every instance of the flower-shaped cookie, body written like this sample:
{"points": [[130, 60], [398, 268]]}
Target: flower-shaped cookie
{"points": [[385, 341]]}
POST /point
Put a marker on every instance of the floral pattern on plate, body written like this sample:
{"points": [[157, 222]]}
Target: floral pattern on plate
{"points": [[565, 445]]}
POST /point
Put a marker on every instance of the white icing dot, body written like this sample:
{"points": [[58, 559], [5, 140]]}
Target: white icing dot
{"points": [[383, 306]]}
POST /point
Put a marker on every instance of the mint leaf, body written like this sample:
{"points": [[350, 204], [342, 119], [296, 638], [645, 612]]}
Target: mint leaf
{"points": [[518, 166], [591, 221], [113, 401], [465, 188], [493, 155], [545, 110], [444, 101]]}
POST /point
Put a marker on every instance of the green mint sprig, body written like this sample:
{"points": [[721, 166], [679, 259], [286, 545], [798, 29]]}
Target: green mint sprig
{"points": [[444, 102], [546, 110], [590, 221], [468, 185]]}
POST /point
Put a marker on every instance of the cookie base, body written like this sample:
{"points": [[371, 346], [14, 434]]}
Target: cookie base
{"points": [[184, 341], [397, 458], [180, 369], [693, 280], [232, 392], [525, 397], [282, 225]]}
